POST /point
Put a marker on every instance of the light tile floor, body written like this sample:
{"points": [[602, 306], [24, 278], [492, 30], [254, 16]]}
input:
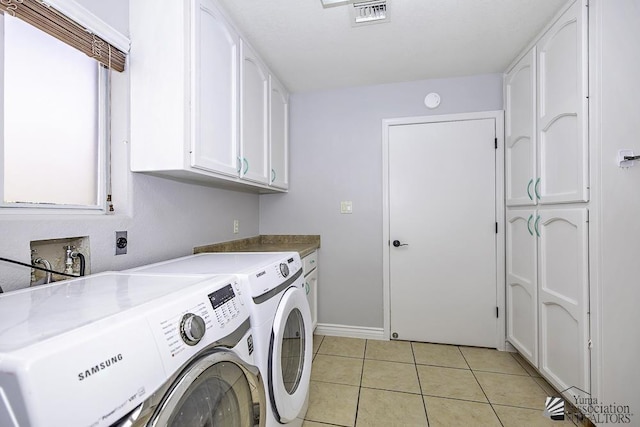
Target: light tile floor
{"points": [[362, 383]]}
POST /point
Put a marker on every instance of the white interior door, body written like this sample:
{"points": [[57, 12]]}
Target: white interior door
{"points": [[442, 209]]}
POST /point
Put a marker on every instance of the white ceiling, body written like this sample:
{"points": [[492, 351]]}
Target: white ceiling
{"points": [[312, 48]]}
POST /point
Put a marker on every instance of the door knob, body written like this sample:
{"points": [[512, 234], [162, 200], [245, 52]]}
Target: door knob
{"points": [[397, 243]]}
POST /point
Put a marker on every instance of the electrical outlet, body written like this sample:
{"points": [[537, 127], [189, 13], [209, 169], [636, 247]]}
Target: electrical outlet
{"points": [[121, 242], [236, 226]]}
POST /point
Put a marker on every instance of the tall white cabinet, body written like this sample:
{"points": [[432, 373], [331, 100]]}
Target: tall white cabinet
{"points": [[547, 195], [201, 99]]}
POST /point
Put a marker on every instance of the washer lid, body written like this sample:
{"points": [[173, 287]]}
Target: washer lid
{"points": [[36, 314], [263, 270], [217, 263]]}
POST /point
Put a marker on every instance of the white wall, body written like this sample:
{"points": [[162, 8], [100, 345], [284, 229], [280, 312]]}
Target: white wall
{"points": [[164, 218], [616, 109], [336, 154]]}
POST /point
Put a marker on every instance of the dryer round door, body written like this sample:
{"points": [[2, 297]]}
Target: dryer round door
{"points": [[216, 390], [290, 355]]}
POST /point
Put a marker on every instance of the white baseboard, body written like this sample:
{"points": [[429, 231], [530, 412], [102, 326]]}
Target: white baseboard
{"points": [[350, 331]]}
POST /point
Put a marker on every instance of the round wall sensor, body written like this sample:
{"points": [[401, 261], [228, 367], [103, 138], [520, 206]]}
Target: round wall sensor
{"points": [[432, 100]]}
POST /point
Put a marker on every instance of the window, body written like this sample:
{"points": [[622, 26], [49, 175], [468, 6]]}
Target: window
{"points": [[53, 127], [55, 63]]}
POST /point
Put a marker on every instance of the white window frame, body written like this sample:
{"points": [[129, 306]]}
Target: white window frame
{"points": [[102, 171]]}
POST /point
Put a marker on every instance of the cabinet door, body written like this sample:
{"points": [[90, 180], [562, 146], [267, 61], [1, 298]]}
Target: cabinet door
{"points": [[279, 134], [311, 287], [254, 137], [563, 297], [520, 120], [214, 91], [522, 292], [562, 110]]}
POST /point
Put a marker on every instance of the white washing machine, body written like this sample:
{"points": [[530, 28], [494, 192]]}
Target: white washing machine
{"points": [[280, 318], [130, 349]]}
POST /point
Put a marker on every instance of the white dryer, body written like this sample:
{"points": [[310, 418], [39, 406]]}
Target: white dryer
{"points": [[280, 318], [138, 349]]}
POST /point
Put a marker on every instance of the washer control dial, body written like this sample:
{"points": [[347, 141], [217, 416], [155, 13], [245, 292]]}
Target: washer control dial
{"points": [[284, 269], [192, 328]]}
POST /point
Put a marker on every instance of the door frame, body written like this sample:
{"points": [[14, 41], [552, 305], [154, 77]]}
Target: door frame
{"points": [[498, 116]]}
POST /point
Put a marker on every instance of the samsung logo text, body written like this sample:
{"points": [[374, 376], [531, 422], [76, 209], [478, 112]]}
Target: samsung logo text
{"points": [[99, 367]]}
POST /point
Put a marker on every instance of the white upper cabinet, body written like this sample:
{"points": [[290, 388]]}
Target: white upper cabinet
{"points": [[254, 120], [215, 92], [279, 134], [546, 117], [520, 132], [563, 110], [200, 97]]}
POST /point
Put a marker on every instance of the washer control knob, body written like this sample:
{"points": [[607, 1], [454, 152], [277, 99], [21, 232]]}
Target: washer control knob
{"points": [[284, 269], [192, 328]]}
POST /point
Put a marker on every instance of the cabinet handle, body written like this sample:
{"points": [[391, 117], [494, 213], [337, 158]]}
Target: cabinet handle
{"points": [[536, 226], [273, 175], [239, 165], [306, 286], [529, 189], [529, 224], [537, 188], [246, 165]]}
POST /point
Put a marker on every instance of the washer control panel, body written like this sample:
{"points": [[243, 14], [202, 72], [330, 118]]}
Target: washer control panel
{"points": [[273, 275], [225, 305], [189, 321]]}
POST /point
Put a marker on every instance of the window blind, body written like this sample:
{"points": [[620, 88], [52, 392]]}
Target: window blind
{"points": [[54, 23]]}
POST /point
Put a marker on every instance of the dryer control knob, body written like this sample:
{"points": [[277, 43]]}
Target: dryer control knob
{"points": [[284, 269], [192, 328]]}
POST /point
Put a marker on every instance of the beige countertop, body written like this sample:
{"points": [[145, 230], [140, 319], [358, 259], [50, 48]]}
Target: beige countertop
{"points": [[303, 244]]}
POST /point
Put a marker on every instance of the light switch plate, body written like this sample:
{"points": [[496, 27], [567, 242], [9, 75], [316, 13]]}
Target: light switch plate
{"points": [[346, 207]]}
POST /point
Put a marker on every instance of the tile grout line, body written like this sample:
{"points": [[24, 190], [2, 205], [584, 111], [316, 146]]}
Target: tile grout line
{"points": [[364, 356], [424, 403], [481, 388]]}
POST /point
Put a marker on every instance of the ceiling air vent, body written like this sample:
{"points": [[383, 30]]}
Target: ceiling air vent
{"points": [[369, 12]]}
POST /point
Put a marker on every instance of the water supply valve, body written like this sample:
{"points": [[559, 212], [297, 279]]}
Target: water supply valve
{"points": [[70, 255], [68, 259]]}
